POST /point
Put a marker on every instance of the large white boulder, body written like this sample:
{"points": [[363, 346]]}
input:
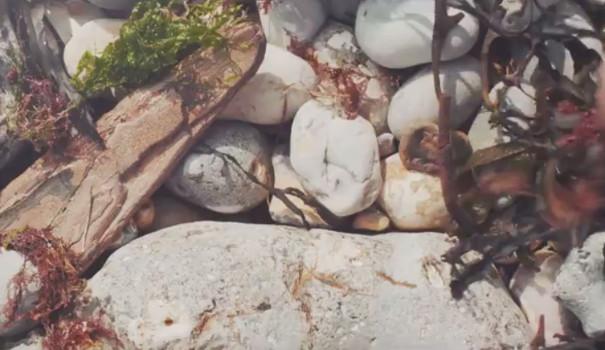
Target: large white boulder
{"points": [[336, 159], [281, 85], [237, 286], [398, 33]]}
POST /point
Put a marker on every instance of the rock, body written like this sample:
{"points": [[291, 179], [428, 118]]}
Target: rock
{"points": [[534, 289], [285, 177], [237, 286], [209, 181], [580, 284], [68, 16], [321, 146], [285, 20], [281, 85], [398, 33], [93, 36], [342, 10], [371, 219], [31, 343], [387, 145], [170, 211], [116, 5], [518, 15], [415, 104], [413, 200], [14, 264], [336, 49], [514, 99], [570, 17]]}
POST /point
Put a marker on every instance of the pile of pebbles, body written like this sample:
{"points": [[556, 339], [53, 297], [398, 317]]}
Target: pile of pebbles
{"points": [[334, 121]]}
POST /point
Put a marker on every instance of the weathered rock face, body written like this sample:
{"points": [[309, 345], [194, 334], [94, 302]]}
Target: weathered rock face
{"points": [[398, 33], [211, 181], [237, 286], [580, 284]]}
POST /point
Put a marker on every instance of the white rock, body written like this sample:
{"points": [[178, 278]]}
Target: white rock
{"points": [[281, 85], [336, 48], [570, 16], [274, 287], [413, 200], [398, 33], [68, 16], [518, 100], [93, 36], [284, 20], [519, 15], [580, 285], [117, 5], [336, 159], [372, 220], [534, 292], [415, 104], [205, 179], [13, 264], [387, 145], [285, 177], [342, 10]]}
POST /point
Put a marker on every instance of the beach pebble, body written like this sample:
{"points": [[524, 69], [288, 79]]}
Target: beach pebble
{"points": [[281, 85], [213, 182], [398, 33], [93, 36], [336, 159], [415, 104], [68, 16], [413, 200], [286, 20]]}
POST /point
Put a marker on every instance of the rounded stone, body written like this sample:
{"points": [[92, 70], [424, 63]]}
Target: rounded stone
{"points": [[285, 177], [413, 200], [321, 148], [285, 21], [281, 85], [208, 178], [398, 33], [93, 36], [415, 104], [68, 16], [335, 48]]}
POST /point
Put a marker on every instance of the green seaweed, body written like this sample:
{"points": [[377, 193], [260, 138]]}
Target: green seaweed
{"points": [[158, 34]]}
